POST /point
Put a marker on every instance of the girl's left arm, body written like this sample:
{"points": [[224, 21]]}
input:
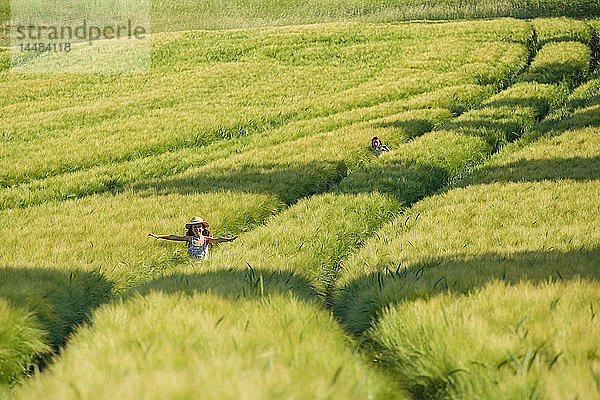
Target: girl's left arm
{"points": [[213, 240]]}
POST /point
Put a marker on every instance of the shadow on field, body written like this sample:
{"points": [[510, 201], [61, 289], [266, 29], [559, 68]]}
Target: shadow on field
{"points": [[60, 299], [408, 180], [589, 117], [232, 284], [359, 303], [289, 182], [539, 104], [555, 73], [575, 168], [561, 39], [492, 131], [410, 128]]}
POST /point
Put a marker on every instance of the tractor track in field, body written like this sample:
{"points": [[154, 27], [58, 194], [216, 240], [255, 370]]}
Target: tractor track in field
{"points": [[47, 360], [118, 183], [595, 48]]}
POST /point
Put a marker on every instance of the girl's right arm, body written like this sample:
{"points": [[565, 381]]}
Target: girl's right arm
{"points": [[171, 237]]}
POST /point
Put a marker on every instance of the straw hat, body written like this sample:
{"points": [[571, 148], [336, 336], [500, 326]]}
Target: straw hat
{"points": [[194, 221]]}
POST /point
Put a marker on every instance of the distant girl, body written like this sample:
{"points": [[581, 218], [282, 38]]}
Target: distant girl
{"points": [[378, 147], [198, 238]]}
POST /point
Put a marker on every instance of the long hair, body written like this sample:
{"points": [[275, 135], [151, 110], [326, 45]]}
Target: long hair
{"points": [[205, 231], [375, 138]]}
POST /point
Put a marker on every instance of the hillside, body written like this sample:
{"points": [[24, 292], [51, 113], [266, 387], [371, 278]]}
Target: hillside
{"points": [[461, 264]]}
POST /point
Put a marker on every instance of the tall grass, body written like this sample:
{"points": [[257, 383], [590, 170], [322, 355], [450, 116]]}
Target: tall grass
{"points": [[583, 100], [176, 342], [561, 30], [422, 167], [299, 168], [241, 14], [258, 295], [115, 250], [277, 268], [502, 164], [257, 259], [504, 117], [302, 248], [249, 187], [109, 233], [120, 175], [40, 309], [464, 142], [241, 191], [185, 14], [49, 249], [125, 117], [525, 218], [311, 165], [22, 340], [499, 341], [560, 61], [311, 238]]}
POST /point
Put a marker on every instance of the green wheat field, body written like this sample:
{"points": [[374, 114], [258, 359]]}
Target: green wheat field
{"points": [[462, 264]]}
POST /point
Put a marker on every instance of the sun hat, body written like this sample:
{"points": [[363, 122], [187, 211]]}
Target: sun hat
{"points": [[194, 221]]}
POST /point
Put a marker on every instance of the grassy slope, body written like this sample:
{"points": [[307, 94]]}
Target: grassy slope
{"points": [[23, 337], [89, 250], [211, 347], [334, 208], [536, 339], [121, 126], [120, 175], [40, 309], [540, 218], [116, 248], [261, 245], [403, 132], [358, 313], [276, 248], [496, 121], [504, 117], [270, 293]]}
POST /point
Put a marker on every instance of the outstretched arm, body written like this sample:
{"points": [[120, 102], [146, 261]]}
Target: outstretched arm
{"points": [[213, 240], [171, 237]]}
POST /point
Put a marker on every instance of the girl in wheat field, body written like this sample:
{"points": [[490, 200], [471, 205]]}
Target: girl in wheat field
{"points": [[198, 238], [378, 147]]}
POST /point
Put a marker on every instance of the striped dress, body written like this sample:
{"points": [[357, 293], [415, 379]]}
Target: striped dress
{"points": [[198, 249]]}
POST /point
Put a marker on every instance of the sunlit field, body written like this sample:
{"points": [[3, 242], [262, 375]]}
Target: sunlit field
{"points": [[210, 86], [461, 264]]}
